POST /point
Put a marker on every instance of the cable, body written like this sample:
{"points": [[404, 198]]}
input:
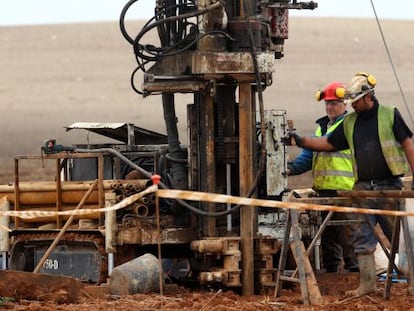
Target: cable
{"points": [[122, 21], [132, 81], [171, 158], [392, 64], [170, 34], [186, 47], [138, 47]]}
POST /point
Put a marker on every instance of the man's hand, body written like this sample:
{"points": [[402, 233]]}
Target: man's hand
{"points": [[289, 169], [292, 139]]}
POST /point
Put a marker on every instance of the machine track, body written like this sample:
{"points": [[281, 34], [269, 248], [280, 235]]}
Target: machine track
{"points": [[78, 254]]}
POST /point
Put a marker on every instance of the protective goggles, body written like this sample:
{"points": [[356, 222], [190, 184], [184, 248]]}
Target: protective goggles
{"points": [[354, 95]]}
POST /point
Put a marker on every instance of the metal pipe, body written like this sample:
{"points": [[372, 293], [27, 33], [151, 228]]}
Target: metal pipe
{"points": [[4, 260], [72, 185], [116, 185], [4, 234], [317, 254], [49, 197], [141, 210], [52, 207], [246, 173], [111, 263], [110, 224], [228, 186], [157, 211], [141, 184], [209, 142], [63, 217], [208, 246], [145, 200], [58, 194]]}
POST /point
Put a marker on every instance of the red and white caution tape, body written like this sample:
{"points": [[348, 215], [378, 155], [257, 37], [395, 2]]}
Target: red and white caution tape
{"points": [[208, 197], [222, 198], [124, 203]]}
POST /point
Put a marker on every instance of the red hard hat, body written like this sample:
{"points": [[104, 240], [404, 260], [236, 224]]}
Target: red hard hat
{"points": [[332, 91]]}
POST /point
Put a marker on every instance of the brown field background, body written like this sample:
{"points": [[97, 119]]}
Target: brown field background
{"points": [[54, 75]]}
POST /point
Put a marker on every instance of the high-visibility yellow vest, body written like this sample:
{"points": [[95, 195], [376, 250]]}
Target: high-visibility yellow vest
{"points": [[332, 170], [391, 148]]}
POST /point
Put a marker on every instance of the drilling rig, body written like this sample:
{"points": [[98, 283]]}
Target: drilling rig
{"points": [[222, 52]]}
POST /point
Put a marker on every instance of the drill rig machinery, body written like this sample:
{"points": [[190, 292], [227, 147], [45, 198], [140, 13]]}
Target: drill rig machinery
{"points": [[223, 52]]}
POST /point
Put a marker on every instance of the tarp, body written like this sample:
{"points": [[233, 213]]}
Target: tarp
{"points": [[127, 133]]}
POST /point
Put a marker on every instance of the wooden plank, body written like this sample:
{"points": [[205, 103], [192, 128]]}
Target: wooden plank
{"points": [[283, 257], [301, 259]]}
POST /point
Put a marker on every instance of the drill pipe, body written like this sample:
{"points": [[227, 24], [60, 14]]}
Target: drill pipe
{"points": [[72, 192], [74, 185], [64, 217], [141, 210], [49, 197]]}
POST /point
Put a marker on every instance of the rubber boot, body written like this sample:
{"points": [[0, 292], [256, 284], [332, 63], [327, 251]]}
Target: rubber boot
{"points": [[367, 276]]}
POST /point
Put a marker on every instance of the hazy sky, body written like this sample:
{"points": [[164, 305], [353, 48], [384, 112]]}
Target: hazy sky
{"points": [[27, 12]]}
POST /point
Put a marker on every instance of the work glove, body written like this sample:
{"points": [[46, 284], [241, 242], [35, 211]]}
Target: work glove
{"points": [[292, 139], [289, 169]]}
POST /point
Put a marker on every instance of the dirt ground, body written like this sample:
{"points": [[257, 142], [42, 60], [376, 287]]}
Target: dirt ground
{"points": [[55, 75], [332, 287]]}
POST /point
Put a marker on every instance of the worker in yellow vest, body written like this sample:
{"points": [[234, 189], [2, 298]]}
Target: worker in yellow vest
{"points": [[331, 171], [381, 145]]}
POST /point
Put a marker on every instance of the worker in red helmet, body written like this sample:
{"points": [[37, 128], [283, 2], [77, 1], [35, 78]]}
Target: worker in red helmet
{"points": [[381, 147], [331, 171]]}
